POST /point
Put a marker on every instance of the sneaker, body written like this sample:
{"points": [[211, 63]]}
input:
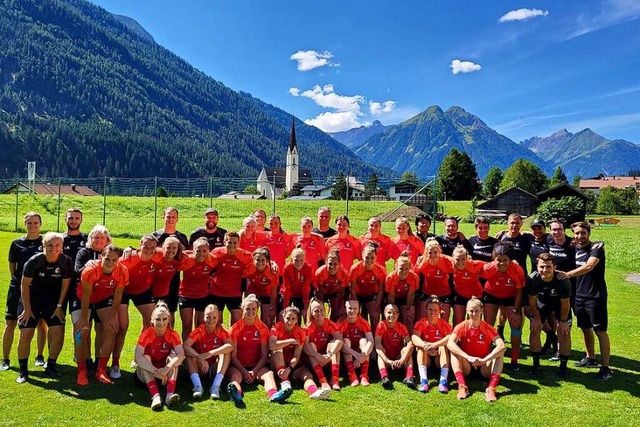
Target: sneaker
{"points": [[355, 382], [463, 392], [234, 394], [82, 378], [364, 381], [114, 372], [102, 376], [443, 387], [22, 378], [5, 365], [214, 391], [555, 357], [335, 385], [386, 383], [171, 399], [325, 385], [320, 394], [52, 372], [156, 402], [514, 367], [563, 373], [285, 385], [280, 396], [586, 362], [408, 381], [40, 361], [490, 394], [198, 391], [603, 374], [424, 386]]}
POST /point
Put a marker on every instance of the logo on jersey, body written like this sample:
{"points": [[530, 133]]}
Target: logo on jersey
{"points": [[111, 283], [256, 334]]}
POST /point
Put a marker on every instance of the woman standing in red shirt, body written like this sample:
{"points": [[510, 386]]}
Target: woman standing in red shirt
{"points": [[350, 248], [331, 281], [367, 283]]}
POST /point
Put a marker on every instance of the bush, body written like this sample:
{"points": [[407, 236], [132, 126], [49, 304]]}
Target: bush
{"points": [[568, 209]]}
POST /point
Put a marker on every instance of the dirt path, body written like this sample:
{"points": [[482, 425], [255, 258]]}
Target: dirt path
{"points": [[634, 278]]}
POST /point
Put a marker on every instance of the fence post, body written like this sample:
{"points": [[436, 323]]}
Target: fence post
{"points": [[155, 202], [59, 201], [104, 202], [210, 191], [17, 187]]}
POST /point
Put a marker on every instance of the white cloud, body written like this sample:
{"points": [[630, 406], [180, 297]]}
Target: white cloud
{"points": [[325, 96], [310, 59], [458, 66], [294, 91], [335, 122], [612, 12], [522, 14], [377, 108]]}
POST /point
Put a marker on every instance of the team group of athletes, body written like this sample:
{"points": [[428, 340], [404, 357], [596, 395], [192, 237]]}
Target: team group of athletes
{"points": [[280, 328]]}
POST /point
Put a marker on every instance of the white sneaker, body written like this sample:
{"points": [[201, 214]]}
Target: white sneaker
{"points": [[321, 394], [172, 398], [286, 385], [156, 402], [114, 372], [40, 361], [197, 392], [215, 392]]}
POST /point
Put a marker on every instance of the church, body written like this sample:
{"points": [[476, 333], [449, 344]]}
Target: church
{"points": [[284, 179]]}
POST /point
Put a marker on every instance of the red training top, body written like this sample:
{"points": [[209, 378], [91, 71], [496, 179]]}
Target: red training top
{"points": [[158, 348], [475, 341], [103, 285]]}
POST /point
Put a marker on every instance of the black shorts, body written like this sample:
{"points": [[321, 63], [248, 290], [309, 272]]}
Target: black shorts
{"points": [[460, 300], [198, 304], [44, 312], [105, 303], [232, 303], [144, 298], [399, 302], [592, 313], [367, 299], [265, 300], [444, 299], [296, 302], [172, 298], [13, 301], [500, 302], [74, 303]]}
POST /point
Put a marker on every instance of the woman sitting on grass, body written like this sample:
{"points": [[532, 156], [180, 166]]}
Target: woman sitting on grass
{"points": [[324, 344], [470, 346], [394, 348], [158, 355]]}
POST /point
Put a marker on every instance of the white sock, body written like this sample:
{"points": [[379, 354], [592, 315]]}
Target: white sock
{"points": [[423, 372]]}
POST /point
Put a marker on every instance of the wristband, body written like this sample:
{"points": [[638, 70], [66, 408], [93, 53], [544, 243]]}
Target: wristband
{"points": [[59, 305]]}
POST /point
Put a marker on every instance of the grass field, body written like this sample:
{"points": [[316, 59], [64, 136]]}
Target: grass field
{"points": [[522, 400]]}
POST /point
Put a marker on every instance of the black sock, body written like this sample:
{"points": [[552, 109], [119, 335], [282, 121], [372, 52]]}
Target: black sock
{"points": [[23, 363], [563, 361], [51, 363], [536, 359]]}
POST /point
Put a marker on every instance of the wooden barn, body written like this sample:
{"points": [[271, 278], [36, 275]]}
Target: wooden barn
{"points": [[509, 201], [565, 190]]}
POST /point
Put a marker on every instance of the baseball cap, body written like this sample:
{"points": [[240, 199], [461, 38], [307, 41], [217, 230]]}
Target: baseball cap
{"points": [[211, 210], [537, 223]]}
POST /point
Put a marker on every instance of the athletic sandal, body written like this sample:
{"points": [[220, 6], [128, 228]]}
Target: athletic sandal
{"points": [[463, 392], [490, 394]]}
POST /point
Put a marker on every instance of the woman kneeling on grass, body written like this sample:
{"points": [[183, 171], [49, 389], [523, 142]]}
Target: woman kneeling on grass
{"points": [[286, 343], [470, 347], [324, 344], [250, 355], [394, 348], [430, 336], [158, 355], [208, 349]]}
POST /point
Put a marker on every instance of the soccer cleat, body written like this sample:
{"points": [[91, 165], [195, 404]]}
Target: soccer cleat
{"points": [[555, 357], [156, 402], [424, 386], [443, 387], [355, 382], [198, 391], [490, 394], [280, 396], [320, 394], [335, 385], [463, 392], [234, 394], [586, 362], [5, 365], [22, 378], [514, 367], [114, 372], [40, 361], [52, 372], [386, 383], [214, 391], [408, 381], [603, 374], [82, 378], [102, 376], [364, 381], [325, 385], [171, 399]]}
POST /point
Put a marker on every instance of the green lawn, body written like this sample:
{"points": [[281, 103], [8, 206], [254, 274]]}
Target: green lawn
{"points": [[521, 400]]}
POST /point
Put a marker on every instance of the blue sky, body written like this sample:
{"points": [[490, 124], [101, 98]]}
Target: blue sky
{"points": [[526, 69]]}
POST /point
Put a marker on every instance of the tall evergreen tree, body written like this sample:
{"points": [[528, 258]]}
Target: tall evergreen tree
{"points": [[558, 178], [458, 176]]}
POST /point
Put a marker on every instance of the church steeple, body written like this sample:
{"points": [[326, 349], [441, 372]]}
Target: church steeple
{"points": [[293, 144], [291, 173]]}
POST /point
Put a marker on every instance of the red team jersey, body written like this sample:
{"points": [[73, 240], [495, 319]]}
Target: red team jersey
{"points": [[253, 243], [262, 282], [103, 285], [399, 287], [383, 252], [329, 284], [227, 279], [158, 348], [297, 333], [204, 341], [313, 247], [413, 245], [162, 276], [140, 272], [392, 338], [436, 277], [367, 282], [503, 285], [296, 283], [279, 247], [465, 281], [475, 341], [321, 335], [350, 249], [248, 341], [196, 276], [432, 333], [354, 331]]}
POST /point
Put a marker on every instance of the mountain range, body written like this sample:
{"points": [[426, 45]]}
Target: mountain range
{"points": [[353, 138]]}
